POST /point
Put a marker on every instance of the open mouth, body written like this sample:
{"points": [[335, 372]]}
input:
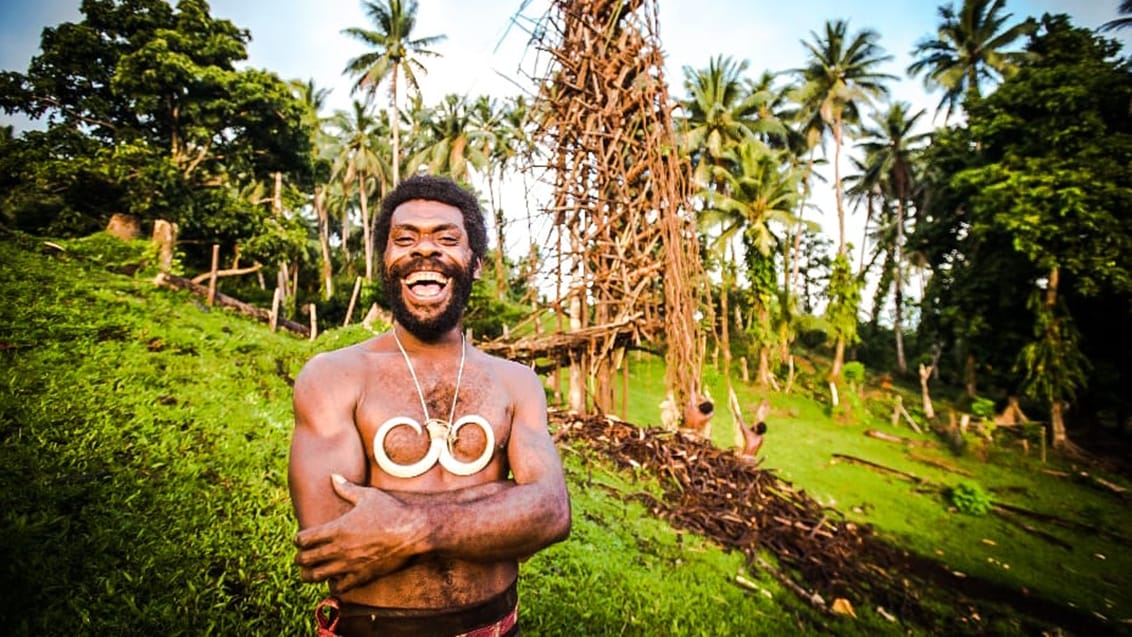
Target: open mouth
{"points": [[426, 284]]}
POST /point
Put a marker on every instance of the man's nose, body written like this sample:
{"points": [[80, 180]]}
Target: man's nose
{"points": [[426, 247]]}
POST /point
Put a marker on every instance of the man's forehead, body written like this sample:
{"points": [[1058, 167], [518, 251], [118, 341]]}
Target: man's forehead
{"points": [[420, 213]]}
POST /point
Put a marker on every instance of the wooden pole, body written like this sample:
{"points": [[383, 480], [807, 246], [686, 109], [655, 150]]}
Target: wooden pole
{"points": [[353, 301], [212, 274], [314, 320], [275, 299]]}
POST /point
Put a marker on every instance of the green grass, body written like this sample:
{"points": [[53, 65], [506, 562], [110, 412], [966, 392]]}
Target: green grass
{"points": [[143, 442]]}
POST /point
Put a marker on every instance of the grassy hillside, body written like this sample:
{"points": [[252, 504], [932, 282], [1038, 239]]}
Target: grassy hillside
{"points": [[143, 442]]}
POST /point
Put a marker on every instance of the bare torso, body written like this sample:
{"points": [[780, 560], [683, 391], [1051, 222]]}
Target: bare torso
{"points": [[386, 390]]}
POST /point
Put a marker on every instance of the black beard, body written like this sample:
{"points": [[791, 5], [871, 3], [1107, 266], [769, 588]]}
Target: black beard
{"points": [[431, 329]]}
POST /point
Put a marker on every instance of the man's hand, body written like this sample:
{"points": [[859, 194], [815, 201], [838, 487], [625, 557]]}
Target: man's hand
{"points": [[377, 536]]}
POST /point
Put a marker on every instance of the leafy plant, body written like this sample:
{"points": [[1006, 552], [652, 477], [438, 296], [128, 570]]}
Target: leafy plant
{"points": [[970, 498], [983, 407]]}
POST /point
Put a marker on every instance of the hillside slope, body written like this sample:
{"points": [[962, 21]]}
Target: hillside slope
{"points": [[143, 444]]}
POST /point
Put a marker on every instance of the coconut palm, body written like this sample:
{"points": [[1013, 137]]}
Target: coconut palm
{"points": [[505, 126], [720, 112], [839, 78], [969, 47], [313, 99], [455, 144], [761, 189], [1125, 9], [395, 53], [359, 167], [890, 146]]}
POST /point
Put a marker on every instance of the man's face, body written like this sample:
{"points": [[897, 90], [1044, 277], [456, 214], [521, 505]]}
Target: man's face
{"points": [[429, 267]]}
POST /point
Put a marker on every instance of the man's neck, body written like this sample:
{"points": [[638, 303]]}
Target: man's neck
{"points": [[452, 339]]}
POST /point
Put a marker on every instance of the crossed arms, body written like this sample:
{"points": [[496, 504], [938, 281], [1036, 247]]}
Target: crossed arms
{"points": [[353, 534]]}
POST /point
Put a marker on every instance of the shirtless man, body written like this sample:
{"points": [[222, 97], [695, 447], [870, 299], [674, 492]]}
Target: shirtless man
{"points": [[421, 469]]}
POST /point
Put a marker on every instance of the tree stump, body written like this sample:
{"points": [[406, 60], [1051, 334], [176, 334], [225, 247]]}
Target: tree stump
{"points": [[125, 227], [165, 236]]}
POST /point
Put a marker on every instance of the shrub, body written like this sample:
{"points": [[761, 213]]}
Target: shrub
{"points": [[970, 498]]}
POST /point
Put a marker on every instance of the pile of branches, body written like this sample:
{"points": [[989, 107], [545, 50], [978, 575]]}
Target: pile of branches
{"points": [[717, 494]]}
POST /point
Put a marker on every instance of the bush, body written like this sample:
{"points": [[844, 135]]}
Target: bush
{"points": [[970, 498]]}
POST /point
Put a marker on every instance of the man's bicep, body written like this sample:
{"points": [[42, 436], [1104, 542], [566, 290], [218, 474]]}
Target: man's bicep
{"points": [[531, 451], [325, 441]]}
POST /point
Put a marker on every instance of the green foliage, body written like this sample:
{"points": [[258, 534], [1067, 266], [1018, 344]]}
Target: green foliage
{"points": [[147, 114], [1039, 184], [982, 407], [969, 497], [854, 372], [844, 299]]}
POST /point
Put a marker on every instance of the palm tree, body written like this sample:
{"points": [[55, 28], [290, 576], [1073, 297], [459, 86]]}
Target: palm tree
{"points": [[1125, 9], [395, 52], [721, 112], [969, 48], [455, 144], [358, 165], [505, 127], [841, 76], [763, 188], [313, 100], [890, 148]]}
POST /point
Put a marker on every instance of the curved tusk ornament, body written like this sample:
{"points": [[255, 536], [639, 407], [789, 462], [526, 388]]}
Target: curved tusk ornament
{"points": [[402, 470], [441, 436], [454, 466]]}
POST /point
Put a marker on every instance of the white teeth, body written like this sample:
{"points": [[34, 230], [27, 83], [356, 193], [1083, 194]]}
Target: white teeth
{"points": [[426, 277]]}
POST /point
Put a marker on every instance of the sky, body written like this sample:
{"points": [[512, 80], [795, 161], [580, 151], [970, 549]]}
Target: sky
{"points": [[486, 48]]}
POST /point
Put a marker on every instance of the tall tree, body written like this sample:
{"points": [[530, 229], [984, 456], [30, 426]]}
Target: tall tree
{"points": [[144, 106], [454, 145], [840, 77], [720, 113], [1059, 203], [396, 53], [890, 147], [762, 190], [359, 167], [313, 99], [970, 46]]}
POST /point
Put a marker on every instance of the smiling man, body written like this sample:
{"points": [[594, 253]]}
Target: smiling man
{"points": [[421, 468]]}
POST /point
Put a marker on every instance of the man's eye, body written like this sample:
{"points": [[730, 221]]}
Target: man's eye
{"points": [[403, 240]]}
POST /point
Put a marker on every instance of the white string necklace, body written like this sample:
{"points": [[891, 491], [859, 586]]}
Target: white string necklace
{"points": [[420, 392], [442, 434]]}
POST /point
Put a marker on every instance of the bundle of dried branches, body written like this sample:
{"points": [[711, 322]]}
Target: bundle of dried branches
{"points": [[717, 494]]}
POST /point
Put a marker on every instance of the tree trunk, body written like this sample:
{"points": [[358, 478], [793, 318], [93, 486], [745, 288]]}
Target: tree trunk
{"points": [[1058, 438], [839, 348], [898, 274], [969, 376], [925, 395], [395, 123], [367, 235], [324, 243]]}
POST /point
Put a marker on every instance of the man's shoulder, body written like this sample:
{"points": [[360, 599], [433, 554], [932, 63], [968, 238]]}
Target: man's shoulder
{"points": [[339, 361], [511, 372]]}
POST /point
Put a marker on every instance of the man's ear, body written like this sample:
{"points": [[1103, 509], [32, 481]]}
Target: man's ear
{"points": [[479, 269]]}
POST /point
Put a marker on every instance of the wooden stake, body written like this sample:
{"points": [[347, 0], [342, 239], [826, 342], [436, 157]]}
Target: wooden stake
{"points": [[275, 301], [212, 274], [314, 320], [353, 301]]}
